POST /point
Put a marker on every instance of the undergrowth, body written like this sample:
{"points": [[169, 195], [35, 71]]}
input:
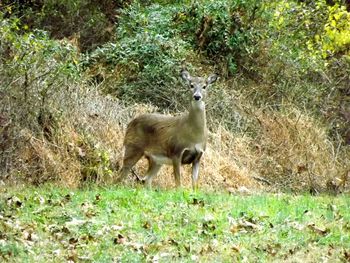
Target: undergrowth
{"points": [[278, 117]]}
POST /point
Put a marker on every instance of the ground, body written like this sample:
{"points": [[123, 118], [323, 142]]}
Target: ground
{"points": [[123, 224]]}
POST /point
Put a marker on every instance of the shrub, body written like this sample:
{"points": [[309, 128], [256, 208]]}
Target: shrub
{"points": [[88, 23], [223, 30], [34, 73], [53, 127], [34, 69], [145, 59]]}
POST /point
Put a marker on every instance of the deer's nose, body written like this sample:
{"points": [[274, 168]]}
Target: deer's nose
{"points": [[197, 97]]}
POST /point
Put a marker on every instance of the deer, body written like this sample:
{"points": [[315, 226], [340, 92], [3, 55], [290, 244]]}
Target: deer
{"points": [[171, 140]]}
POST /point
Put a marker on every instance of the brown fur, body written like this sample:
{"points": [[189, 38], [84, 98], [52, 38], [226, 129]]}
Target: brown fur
{"points": [[165, 135], [169, 140]]}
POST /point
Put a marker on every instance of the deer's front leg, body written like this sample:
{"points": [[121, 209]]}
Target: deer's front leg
{"points": [[177, 171], [195, 169], [195, 173]]}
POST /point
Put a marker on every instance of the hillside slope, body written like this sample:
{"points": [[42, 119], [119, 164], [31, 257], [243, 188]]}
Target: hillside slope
{"points": [[278, 117]]}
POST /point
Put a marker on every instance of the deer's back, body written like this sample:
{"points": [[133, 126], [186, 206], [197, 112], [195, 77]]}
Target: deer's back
{"points": [[160, 134], [148, 129]]}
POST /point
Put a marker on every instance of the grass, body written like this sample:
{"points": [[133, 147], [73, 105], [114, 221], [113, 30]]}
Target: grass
{"points": [[116, 224]]}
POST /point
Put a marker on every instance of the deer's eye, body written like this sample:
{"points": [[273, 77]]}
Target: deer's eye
{"points": [[192, 86], [204, 87]]}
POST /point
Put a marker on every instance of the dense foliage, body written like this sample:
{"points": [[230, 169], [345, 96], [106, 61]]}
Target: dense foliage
{"points": [[281, 64]]}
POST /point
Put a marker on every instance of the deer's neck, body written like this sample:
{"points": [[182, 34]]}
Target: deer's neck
{"points": [[197, 117]]}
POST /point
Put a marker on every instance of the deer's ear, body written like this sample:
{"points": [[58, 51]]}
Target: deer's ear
{"points": [[185, 75], [212, 78]]}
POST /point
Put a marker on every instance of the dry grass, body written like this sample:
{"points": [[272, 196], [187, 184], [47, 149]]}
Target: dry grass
{"points": [[291, 151], [85, 146]]}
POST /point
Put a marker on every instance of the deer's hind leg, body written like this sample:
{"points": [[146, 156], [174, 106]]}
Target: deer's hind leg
{"points": [[153, 169], [131, 156]]}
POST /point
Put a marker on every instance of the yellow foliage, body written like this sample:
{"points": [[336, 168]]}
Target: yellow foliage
{"points": [[336, 37]]}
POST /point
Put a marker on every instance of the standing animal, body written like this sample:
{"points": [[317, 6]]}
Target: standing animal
{"points": [[173, 140]]}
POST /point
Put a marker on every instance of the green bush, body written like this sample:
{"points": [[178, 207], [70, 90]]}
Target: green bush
{"points": [[223, 30], [88, 23], [153, 41], [34, 69], [145, 58], [302, 48], [35, 74]]}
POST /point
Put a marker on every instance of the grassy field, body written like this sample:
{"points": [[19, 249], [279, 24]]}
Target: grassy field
{"points": [[52, 224]]}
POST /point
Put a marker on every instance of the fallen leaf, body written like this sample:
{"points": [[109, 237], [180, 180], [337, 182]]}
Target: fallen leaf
{"points": [[302, 168], [158, 257], [75, 222], [208, 218], [137, 247], [297, 225], [234, 228], [98, 197], [67, 197], [318, 230], [57, 252], [236, 248], [40, 199], [272, 249], [14, 201], [208, 225], [243, 190], [120, 239], [330, 251], [117, 227], [248, 225], [85, 258], [73, 240], [172, 242], [29, 235], [88, 209], [65, 230], [87, 238], [81, 152], [147, 225], [72, 256], [243, 225], [58, 235], [196, 201], [207, 248]]}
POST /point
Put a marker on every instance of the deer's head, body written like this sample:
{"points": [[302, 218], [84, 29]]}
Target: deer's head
{"points": [[198, 85]]}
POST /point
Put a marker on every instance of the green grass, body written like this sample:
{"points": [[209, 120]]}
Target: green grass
{"points": [[132, 225]]}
